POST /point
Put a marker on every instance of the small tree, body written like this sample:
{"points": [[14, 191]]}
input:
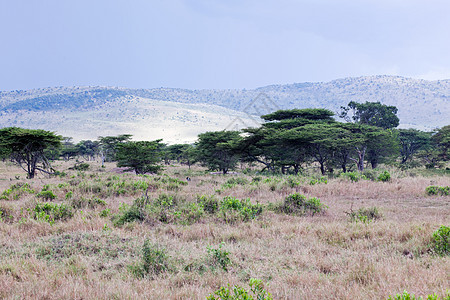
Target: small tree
{"points": [[142, 157], [26, 148], [214, 149]]}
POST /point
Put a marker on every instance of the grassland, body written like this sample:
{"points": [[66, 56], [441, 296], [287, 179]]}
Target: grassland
{"points": [[102, 234]]}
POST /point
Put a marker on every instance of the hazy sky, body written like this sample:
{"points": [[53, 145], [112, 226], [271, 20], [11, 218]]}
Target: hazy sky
{"points": [[218, 43]]}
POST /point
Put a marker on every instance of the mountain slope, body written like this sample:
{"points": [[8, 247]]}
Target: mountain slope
{"points": [[178, 115]]}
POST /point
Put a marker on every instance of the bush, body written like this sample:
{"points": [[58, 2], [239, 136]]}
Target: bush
{"points": [[441, 239], [408, 296], [209, 203], [315, 181], [80, 167], [257, 292], [87, 202], [353, 176], [384, 177], [46, 195], [299, 204], [234, 209], [218, 257], [437, 190], [51, 212], [365, 215], [154, 261], [128, 214], [16, 191]]}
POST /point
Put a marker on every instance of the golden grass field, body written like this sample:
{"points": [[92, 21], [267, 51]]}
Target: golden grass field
{"points": [[321, 256]]}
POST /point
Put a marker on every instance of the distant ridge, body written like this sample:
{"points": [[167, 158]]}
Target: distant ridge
{"points": [[178, 115]]}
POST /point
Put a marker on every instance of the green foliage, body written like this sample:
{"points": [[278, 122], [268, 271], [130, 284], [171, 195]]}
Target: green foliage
{"points": [[299, 204], [46, 195], [233, 209], [371, 113], [307, 113], [219, 257], [26, 148], [257, 292], [320, 180], [142, 157], [81, 167], [407, 296], [232, 182], [384, 177], [215, 150], [154, 261], [209, 203], [87, 202], [365, 215], [437, 190], [51, 212], [128, 214], [105, 213], [353, 176], [441, 240], [16, 191]]}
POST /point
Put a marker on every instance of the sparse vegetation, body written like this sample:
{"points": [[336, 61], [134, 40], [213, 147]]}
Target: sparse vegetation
{"points": [[257, 292], [437, 190], [441, 240]]}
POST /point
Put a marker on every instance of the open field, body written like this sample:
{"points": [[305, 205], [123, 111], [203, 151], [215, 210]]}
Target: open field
{"points": [[90, 246]]}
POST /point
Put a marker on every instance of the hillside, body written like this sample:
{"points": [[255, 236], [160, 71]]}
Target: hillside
{"points": [[178, 115]]}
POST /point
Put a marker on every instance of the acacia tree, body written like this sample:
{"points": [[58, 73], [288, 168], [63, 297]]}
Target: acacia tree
{"points": [[108, 146], [142, 157], [371, 113], [441, 141], [26, 148], [411, 141], [215, 150]]}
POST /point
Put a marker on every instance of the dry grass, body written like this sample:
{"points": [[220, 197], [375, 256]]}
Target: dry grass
{"points": [[309, 257]]}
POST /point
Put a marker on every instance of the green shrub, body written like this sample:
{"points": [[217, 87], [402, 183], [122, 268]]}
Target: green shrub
{"points": [[219, 257], [80, 167], [233, 209], [104, 213], [16, 191], [237, 181], [257, 292], [163, 208], [299, 204], [87, 202], [384, 177], [441, 240], [209, 203], [51, 212], [46, 195], [408, 296], [190, 213], [353, 176], [128, 214], [365, 215], [320, 180], [154, 261], [437, 190]]}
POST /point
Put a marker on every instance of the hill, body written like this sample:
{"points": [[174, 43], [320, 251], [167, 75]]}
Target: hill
{"points": [[178, 115]]}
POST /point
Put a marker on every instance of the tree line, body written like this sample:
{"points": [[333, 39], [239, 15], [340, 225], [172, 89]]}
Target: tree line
{"points": [[287, 142]]}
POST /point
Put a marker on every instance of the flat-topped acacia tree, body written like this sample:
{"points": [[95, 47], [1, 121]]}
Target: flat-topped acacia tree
{"points": [[142, 157], [26, 148]]}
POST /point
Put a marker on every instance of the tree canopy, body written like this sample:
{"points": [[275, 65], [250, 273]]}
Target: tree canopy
{"points": [[142, 157], [371, 113], [26, 148]]}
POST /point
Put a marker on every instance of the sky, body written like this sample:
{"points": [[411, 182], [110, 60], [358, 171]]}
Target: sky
{"points": [[218, 44]]}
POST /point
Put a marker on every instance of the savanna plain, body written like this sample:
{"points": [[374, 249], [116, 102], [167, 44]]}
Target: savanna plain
{"points": [[101, 233]]}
